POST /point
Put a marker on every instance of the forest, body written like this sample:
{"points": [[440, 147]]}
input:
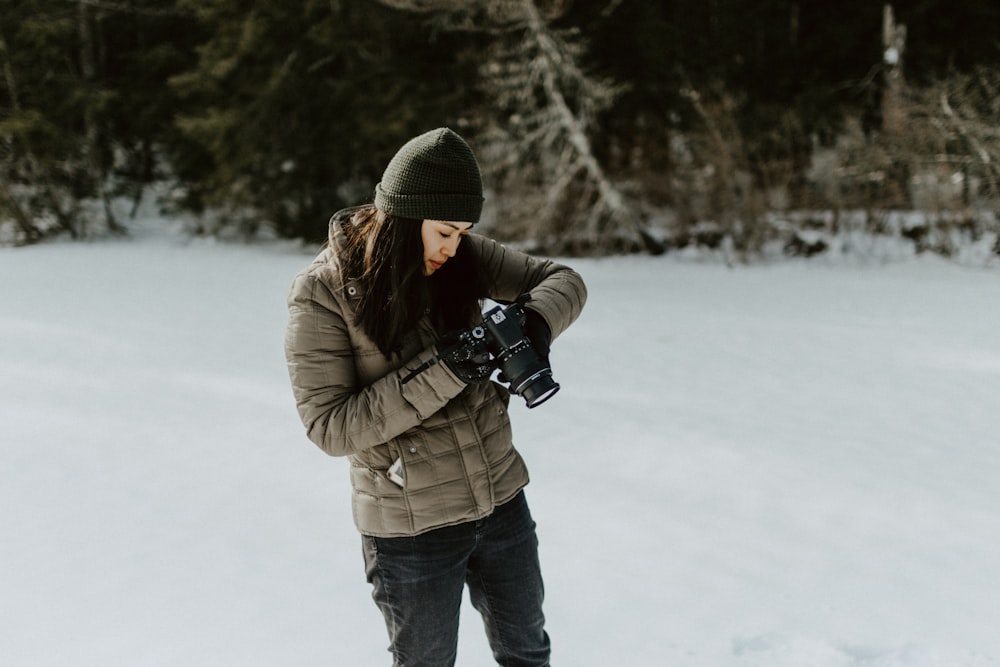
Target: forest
{"points": [[602, 126]]}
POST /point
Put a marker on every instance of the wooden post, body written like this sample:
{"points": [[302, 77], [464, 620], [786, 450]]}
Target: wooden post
{"points": [[893, 44]]}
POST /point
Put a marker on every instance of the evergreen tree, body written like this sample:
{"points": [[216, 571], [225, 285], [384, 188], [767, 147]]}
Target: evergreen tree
{"points": [[277, 114], [82, 103], [42, 103], [299, 106], [144, 44]]}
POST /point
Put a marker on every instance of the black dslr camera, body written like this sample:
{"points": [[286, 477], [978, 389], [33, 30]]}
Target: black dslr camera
{"points": [[529, 376]]}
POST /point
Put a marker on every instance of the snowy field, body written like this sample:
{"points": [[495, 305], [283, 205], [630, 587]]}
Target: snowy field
{"points": [[786, 465]]}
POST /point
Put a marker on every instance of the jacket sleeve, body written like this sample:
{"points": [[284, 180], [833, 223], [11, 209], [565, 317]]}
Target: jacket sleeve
{"points": [[557, 292], [340, 416]]}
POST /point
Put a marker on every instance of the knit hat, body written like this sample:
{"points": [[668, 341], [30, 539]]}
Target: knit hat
{"points": [[433, 176]]}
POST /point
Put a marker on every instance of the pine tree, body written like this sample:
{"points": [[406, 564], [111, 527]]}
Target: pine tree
{"points": [[41, 157], [82, 102], [297, 107]]}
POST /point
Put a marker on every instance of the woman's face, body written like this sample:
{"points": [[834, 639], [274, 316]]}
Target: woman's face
{"points": [[441, 239]]}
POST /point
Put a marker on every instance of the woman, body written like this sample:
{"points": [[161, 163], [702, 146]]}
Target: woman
{"points": [[382, 374]]}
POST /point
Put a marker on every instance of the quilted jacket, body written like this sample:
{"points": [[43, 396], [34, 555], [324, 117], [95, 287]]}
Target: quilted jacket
{"points": [[453, 440]]}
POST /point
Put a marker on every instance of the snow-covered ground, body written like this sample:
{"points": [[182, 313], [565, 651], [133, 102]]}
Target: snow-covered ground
{"points": [[785, 465]]}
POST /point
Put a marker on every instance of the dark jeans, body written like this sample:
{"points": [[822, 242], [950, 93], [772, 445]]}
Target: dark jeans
{"points": [[418, 583]]}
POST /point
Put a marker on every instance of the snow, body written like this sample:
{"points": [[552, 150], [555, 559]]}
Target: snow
{"points": [[784, 465]]}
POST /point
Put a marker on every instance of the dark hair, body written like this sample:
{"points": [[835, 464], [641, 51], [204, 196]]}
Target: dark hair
{"points": [[385, 254]]}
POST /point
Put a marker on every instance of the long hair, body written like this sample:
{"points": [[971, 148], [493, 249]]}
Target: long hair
{"points": [[385, 254]]}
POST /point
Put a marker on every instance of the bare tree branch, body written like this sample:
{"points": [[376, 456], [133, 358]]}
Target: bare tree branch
{"points": [[537, 144]]}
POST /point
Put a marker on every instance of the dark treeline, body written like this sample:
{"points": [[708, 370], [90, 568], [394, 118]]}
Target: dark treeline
{"points": [[590, 118]]}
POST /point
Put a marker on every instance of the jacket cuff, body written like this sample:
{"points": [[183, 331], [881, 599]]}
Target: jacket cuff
{"points": [[429, 390]]}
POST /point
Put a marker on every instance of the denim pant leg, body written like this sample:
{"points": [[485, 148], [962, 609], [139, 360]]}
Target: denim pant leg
{"points": [[417, 584], [505, 586]]}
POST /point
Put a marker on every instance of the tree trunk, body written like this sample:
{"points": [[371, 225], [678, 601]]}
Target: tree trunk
{"points": [[88, 67]]}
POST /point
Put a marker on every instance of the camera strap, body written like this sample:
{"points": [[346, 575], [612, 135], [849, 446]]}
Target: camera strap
{"points": [[420, 369]]}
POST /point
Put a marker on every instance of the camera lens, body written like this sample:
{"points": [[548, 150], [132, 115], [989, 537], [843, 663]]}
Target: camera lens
{"points": [[539, 388]]}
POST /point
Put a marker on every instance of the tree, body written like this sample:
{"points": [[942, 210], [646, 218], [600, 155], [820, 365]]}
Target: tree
{"points": [[293, 109], [142, 45], [43, 176], [72, 110], [535, 138], [589, 118]]}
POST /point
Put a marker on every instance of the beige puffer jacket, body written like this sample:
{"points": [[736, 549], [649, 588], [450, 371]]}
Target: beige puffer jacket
{"points": [[454, 440]]}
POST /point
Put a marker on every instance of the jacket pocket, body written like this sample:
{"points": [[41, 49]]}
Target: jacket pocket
{"points": [[373, 483]]}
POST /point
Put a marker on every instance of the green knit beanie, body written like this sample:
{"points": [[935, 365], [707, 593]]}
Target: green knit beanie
{"points": [[433, 176]]}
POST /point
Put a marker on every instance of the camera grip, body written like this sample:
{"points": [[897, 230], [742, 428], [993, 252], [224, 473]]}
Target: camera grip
{"points": [[466, 356]]}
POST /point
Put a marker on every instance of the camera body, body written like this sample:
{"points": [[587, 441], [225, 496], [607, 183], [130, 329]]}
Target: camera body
{"points": [[502, 330]]}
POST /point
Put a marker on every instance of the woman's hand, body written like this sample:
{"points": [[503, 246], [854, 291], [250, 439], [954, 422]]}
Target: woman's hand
{"points": [[466, 355], [536, 329]]}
